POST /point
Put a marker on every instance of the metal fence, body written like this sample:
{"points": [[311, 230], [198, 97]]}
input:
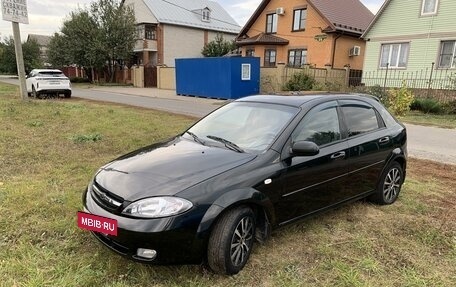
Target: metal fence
{"points": [[428, 82]]}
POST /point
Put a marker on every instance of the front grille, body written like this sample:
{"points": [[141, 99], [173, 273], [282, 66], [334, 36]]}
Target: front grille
{"points": [[105, 198]]}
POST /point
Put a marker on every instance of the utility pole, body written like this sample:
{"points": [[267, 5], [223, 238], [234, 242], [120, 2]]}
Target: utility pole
{"points": [[19, 60], [15, 11]]}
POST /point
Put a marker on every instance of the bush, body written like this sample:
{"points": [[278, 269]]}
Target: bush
{"points": [[400, 99], [427, 105], [380, 93], [79, 80], [328, 86], [299, 82], [450, 107]]}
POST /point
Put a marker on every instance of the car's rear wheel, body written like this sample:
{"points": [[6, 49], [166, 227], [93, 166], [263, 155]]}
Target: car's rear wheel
{"points": [[389, 185], [67, 95], [34, 92], [231, 241]]}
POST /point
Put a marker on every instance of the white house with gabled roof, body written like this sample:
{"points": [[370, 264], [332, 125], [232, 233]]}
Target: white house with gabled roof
{"points": [[170, 29]]}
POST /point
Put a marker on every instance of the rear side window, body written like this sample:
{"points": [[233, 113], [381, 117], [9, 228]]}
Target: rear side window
{"points": [[359, 117], [51, 74]]}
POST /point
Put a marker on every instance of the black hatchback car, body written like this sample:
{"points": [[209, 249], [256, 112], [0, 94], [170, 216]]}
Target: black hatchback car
{"points": [[249, 167]]}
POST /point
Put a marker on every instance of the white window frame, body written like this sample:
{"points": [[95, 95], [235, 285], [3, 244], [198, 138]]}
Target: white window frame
{"points": [[245, 72], [423, 5], [206, 15], [453, 60], [390, 54]]}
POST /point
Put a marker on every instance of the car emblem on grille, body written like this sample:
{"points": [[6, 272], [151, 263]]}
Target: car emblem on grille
{"points": [[103, 196]]}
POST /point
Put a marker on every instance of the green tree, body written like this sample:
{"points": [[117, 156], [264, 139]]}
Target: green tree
{"points": [[117, 33], [96, 37], [58, 51], [77, 43], [218, 47], [30, 50]]}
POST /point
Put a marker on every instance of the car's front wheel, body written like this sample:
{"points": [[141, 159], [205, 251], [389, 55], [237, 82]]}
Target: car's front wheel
{"points": [[231, 241], [389, 185]]}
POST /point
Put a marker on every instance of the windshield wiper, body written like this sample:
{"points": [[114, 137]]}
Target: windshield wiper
{"points": [[196, 138], [228, 144]]}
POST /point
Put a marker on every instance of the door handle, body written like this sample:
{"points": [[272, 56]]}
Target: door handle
{"points": [[337, 155], [384, 140]]}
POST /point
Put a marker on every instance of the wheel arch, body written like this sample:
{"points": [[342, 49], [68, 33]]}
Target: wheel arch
{"points": [[258, 201], [398, 156]]}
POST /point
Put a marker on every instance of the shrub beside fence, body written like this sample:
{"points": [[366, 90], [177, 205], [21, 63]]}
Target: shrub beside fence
{"points": [[429, 82]]}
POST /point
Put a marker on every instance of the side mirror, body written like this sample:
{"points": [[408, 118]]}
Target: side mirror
{"points": [[304, 148]]}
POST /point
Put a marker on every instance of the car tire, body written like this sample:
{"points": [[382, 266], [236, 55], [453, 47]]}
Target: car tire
{"points": [[231, 241], [29, 95], [389, 185], [34, 92], [67, 95]]}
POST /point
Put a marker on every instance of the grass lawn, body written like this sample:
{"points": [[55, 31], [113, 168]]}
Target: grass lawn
{"points": [[49, 149], [420, 118]]}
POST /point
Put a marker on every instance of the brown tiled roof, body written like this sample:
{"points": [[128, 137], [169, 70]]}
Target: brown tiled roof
{"points": [[345, 15], [262, 38]]}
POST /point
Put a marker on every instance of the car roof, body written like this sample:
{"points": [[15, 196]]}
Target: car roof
{"points": [[300, 100]]}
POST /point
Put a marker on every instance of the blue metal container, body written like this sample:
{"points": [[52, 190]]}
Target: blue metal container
{"points": [[220, 77]]}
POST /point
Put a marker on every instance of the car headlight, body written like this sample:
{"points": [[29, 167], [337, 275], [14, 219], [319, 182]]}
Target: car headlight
{"points": [[155, 207]]}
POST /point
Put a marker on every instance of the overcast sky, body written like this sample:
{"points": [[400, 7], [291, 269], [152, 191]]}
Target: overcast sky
{"points": [[46, 16]]}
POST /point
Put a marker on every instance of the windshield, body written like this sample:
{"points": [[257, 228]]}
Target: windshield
{"points": [[252, 127]]}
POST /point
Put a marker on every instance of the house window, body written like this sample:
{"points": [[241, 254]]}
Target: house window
{"points": [[447, 57], [250, 52], [140, 32], [271, 23], [394, 55], [269, 58], [206, 15], [429, 7], [297, 58], [299, 19], [151, 32]]}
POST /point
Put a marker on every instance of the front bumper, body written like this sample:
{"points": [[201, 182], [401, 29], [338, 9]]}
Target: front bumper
{"points": [[175, 239]]}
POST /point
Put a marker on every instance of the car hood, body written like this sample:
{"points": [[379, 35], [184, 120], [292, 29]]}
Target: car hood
{"points": [[166, 168]]}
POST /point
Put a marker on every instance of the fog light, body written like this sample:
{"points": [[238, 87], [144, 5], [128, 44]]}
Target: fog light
{"points": [[146, 253]]}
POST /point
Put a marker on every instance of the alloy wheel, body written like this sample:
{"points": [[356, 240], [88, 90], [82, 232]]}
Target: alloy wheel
{"points": [[392, 184], [241, 241]]}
